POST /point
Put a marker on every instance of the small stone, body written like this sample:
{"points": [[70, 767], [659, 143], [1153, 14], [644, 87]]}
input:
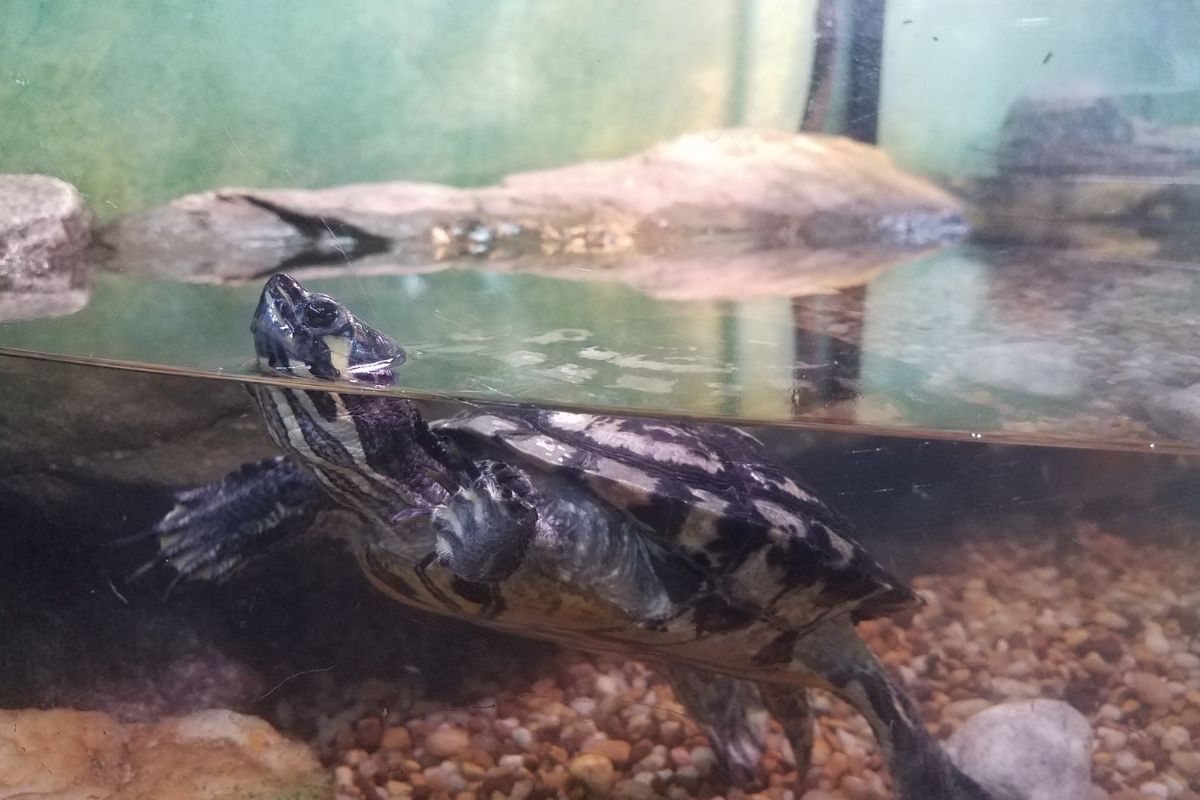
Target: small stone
{"points": [[1034, 750], [671, 732], [1186, 762], [1155, 641], [1150, 689], [680, 756], [1188, 661], [368, 732], [1094, 663], [1111, 619], [606, 686], [397, 738], [523, 738], [821, 794], [615, 750], [636, 790], [1176, 738], [1155, 789], [1113, 739], [688, 777], [856, 788], [511, 761], [447, 741], [704, 759], [583, 706], [962, 709], [355, 757], [472, 771], [1126, 761], [594, 771]]}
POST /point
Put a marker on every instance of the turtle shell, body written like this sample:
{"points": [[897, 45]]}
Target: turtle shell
{"points": [[710, 493]]}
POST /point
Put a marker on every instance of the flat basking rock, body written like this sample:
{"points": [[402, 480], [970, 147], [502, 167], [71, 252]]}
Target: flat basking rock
{"points": [[1027, 750], [73, 755], [720, 214], [45, 229]]}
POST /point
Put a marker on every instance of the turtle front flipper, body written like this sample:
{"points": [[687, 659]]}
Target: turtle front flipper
{"points": [[485, 529], [216, 529]]}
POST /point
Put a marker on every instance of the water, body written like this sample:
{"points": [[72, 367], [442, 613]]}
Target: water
{"points": [[1064, 572]]}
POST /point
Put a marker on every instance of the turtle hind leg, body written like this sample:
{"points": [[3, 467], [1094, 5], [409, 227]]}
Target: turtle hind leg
{"points": [[731, 712], [216, 529], [790, 707], [833, 656]]}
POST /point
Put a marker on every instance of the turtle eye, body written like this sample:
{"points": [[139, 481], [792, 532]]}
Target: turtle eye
{"points": [[321, 312]]}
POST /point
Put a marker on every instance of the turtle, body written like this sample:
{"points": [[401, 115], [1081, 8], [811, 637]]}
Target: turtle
{"points": [[676, 542]]}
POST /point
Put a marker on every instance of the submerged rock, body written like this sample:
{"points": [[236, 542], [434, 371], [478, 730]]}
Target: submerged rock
{"points": [[719, 214], [45, 229], [210, 754], [1027, 750]]}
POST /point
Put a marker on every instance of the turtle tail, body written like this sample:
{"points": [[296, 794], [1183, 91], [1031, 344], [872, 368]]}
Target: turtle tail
{"points": [[216, 529], [920, 769]]}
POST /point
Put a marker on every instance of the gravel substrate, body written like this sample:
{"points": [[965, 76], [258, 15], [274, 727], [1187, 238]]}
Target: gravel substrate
{"points": [[1108, 625]]}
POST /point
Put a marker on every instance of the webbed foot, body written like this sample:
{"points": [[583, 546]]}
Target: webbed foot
{"points": [[216, 529], [484, 530]]}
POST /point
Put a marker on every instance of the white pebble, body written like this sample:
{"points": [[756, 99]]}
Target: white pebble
{"points": [[606, 686], [1037, 750], [1155, 641], [1176, 738], [1155, 789], [583, 706], [704, 758], [512, 761], [1113, 739], [1188, 661], [522, 738], [1126, 761]]}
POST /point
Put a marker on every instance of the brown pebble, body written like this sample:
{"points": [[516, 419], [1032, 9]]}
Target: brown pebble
{"points": [[615, 750], [397, 738], [1150, 689], [641, 749], [671, 733], [368, 732], [594, 771], [447, 740], [472, 771]]}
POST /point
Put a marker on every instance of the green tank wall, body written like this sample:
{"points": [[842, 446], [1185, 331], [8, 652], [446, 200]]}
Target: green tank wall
{"points": [[139, 102], [951, 70]]}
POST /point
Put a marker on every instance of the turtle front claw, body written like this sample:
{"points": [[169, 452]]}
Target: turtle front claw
{"points": [[484, 530]]}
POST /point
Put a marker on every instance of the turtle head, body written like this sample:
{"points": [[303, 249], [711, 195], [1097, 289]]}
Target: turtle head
{"points": [[311, 335]]}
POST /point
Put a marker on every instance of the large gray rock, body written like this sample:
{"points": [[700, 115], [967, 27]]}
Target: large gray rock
{"points": [[1027, 750], [45, 229], [722, 214]]}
